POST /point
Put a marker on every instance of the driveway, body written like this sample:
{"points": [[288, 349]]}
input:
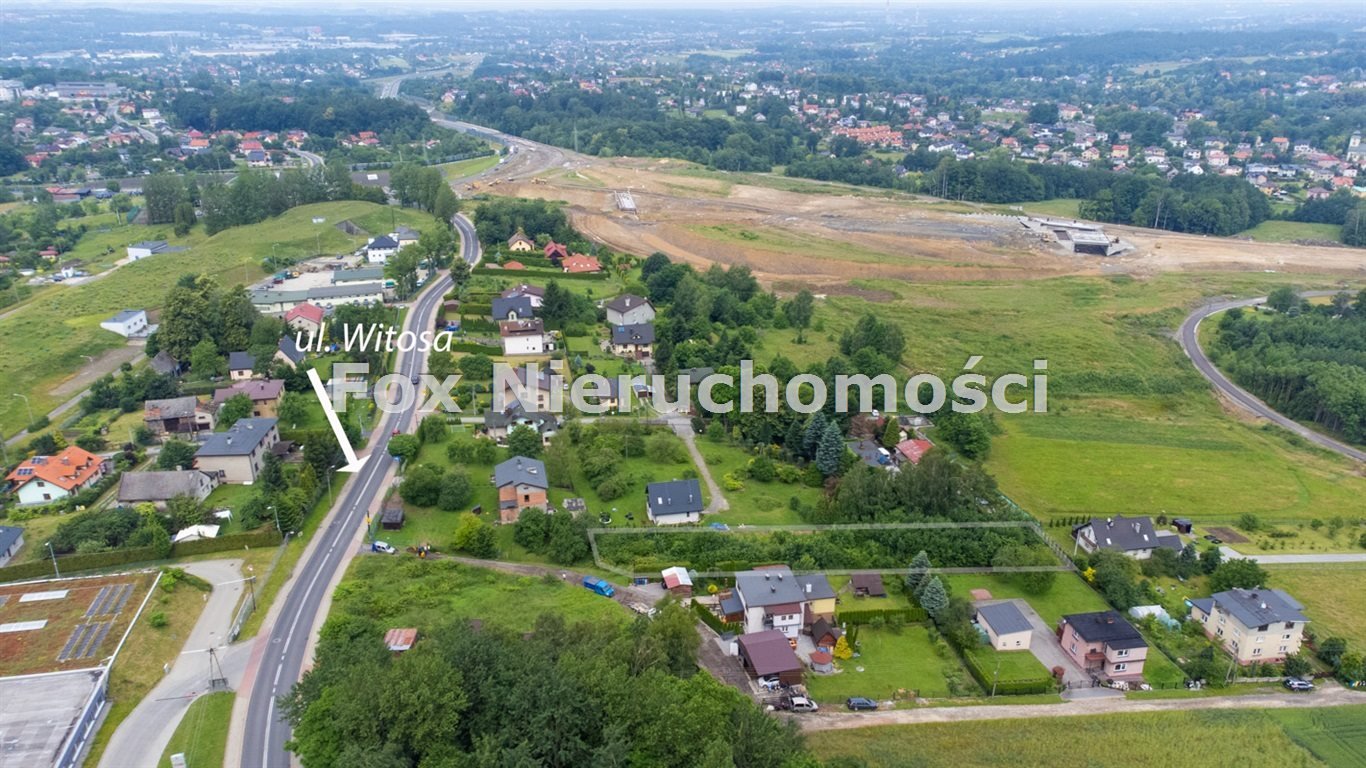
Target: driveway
{"points": [[1044, 645], [1230, 553], [682, 426]]}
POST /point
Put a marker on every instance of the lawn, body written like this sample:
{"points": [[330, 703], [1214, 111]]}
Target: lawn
{"points": [[756, 503], [1292, 231], [889, 661], [405, 591], [61, 325], [1069, 594], [1129, 740], [202, 735], [462, 168], [1014, 665], [1333, 597]]}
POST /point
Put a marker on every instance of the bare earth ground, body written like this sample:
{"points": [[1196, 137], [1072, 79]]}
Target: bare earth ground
{"points": [[886, 236], [104, 363]]}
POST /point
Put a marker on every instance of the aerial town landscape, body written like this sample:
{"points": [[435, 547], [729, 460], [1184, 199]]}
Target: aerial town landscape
{"points": [[839, 385]]}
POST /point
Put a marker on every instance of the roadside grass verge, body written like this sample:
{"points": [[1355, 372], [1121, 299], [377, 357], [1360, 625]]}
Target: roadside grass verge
{"points": [[202, 735]]}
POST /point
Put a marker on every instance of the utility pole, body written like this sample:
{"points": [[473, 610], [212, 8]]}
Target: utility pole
{"points": [[55, 570]]}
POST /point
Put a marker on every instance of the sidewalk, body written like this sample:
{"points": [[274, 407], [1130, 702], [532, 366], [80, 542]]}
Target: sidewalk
{"points": [[143, 735]]}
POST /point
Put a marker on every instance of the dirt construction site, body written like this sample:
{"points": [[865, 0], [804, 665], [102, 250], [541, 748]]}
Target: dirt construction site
{"points": [[799, 232]]}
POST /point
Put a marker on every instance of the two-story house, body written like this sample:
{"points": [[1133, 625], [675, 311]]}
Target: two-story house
{"points": [[1104, 644], [1253, 624], [633, 341], [1133, 536], [773, 598], [237, 456], [45, 479], [521, 484], [628, 309]]}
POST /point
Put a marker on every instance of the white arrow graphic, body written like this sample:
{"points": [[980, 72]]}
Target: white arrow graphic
{"points": [[353, 464]]}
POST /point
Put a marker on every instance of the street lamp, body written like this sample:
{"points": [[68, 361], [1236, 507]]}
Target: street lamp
{"points": [[52, 552], [277, 519], [27, 405]]}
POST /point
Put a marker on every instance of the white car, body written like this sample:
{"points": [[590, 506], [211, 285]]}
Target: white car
{"points": [[385, 547], [769, 683], [803, 704]]}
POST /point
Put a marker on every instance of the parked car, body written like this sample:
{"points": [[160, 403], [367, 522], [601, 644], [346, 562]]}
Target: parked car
{"points": [[769, 683], [1298, 684], [1211, 538], [803, 704], [384, 546], [856, 703]]}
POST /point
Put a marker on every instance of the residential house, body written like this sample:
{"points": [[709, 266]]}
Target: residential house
{"points": [[674, 502], [514, 308], [769, 654], [157, 488], [773, 598], [11, 541], [241, 366], [405, 236], [524, 337], [264, 394], [534, 293], [1253, 624], [521, 484], [499, 424], [378, 250], [628, 309], [580, 264], [520, 243], [237, 455], [305, 318], [145, 248], [1134, 536], [530, 395], [556, 252], [633, 341], [128, 323], [1006, 627], [1104, 644], [178, 415], [45, 479], [288, 352]]}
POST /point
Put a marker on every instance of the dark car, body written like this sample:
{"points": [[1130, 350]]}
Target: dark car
{"points": [[857, 703]]}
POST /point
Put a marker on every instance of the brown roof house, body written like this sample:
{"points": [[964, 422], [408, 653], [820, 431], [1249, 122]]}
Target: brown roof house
{"points": [[768, 653], [264, 394], [178, 415], [867, 585]]}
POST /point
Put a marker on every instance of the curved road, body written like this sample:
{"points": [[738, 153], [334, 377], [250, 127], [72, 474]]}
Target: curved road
{"points": [[1189, 337], [280, 652]]}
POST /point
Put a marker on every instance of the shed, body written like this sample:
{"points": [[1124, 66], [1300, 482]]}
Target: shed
{"points": [[822, 662], [677, 581], [769, 653], [867, 585], [400, 639], [1182, 525], [1006, 627], [391, 518]]}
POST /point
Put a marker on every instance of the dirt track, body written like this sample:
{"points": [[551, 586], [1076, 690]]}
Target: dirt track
{"points": [[834, 234]]}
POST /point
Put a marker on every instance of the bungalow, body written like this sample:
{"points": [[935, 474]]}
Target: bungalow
{"points": [[581, 264], [524, 337], [128, 323], [11, 541], [241, 366], [44, 479], [145, 248], [674, 502], [533, 292], [157, 488], [521, 484], [628, 309], [633, 341], [514, 308], [237, 456], [305, 318], [1134, 536], [1104, 644], [1253, 624], [769, 654], [1006, 627], [773, 598], [178, 415], [264, 395], [520, 243]]}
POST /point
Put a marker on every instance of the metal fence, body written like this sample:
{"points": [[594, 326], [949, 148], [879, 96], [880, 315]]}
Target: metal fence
{"points": [[248, 606]]}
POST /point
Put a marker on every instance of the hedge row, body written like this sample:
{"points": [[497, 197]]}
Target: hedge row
{"points": [[715, 622], [1007, 687], [911, 615], [547, 274], [262, 538], [478, 309], [478, 324], [100, 560], [472, 348]]}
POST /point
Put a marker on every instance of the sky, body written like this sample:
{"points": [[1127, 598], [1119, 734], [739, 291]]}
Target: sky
{"points": [[473, 5]]}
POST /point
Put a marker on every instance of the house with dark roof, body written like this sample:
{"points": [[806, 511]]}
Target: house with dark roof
{"points": [[674, 502], [241, 366], [1253, 625], [157, 488], [1133, 536], [178, 415], [521, 484], [164, 364], [774, 598], [1104, 644], [11, 541], [633, 341], [263, 393], [533, 292], [629, 309], [288, 352], [825, 632], [1006, 626], [379, 250], [769, 654], [867, 585], [237, 455], [513, 308], [499, 424]]}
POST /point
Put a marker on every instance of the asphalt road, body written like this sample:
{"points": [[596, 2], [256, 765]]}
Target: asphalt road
{"points": [[287, 639], [1190, 343]]}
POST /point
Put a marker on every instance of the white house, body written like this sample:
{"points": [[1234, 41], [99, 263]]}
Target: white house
{"points": [[45, 479], [128, 323], [629, 310], [675, 502], [773, 598], [146, 248], [525, 337], [379, 250]]}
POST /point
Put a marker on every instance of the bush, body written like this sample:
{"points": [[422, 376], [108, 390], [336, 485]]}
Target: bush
{"points": [[715, 622], [911, 615], [157, 620]]}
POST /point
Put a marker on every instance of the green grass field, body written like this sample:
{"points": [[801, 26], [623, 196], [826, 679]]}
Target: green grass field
{"points": [[1333, 597], [1335, 736], [1014, 665], [889, 661], [1069, 594], [202, 735], [1291, 231], [1198, 739], [52, 332], [407, 592], [463, 168], [756, 503]]}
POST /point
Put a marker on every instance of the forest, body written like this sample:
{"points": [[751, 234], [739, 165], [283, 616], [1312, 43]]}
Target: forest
{"points": [[1307, 361], [322, 112]]}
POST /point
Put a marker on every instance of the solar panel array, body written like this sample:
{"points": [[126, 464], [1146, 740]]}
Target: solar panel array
{"points": [[110, 600], [3, 599], [84, 641]]}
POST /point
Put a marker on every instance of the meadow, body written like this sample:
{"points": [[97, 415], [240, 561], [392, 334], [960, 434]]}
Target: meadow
{"points": [[889, 661], [1291, 231], [1333, 608]]}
